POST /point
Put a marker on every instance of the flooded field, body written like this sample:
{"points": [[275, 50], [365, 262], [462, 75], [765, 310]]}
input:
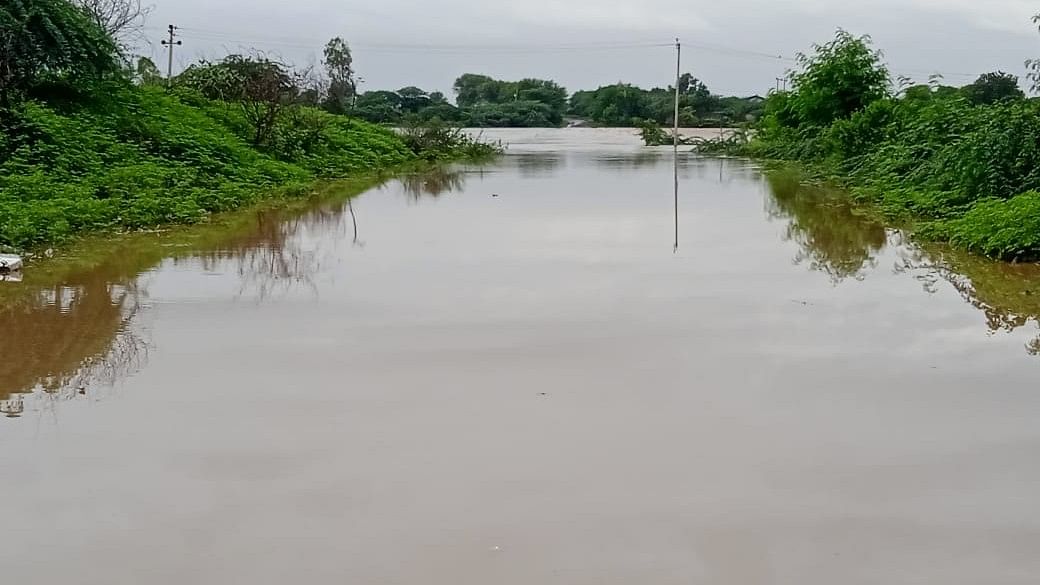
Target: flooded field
{"points": [[507, 374]]}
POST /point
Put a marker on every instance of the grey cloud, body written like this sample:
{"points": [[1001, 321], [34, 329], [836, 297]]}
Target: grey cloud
{"points": [[959, 37]]}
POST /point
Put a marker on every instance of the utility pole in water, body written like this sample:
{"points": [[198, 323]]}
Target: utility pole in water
{"points": [[169, 46], [675, 139]]}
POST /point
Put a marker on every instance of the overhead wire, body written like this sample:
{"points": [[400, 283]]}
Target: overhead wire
{"points": [[215, 36]]}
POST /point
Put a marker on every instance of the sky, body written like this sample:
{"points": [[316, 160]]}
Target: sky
{"points": [[737, 47]]}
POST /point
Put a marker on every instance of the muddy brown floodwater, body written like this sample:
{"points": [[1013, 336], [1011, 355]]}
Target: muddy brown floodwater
{"points": [[508, 377]]}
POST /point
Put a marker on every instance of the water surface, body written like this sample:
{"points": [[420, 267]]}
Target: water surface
{"points": [[505, 374]]}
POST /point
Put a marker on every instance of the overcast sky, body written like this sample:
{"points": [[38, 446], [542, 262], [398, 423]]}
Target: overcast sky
{"points": [[727, 43]]}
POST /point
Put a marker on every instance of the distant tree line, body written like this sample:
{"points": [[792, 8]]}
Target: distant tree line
{"points": [[486, 102]]}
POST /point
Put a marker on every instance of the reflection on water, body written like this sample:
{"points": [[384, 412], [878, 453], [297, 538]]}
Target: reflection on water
{"points": [[636, 160], [61, 338], [68, 335], [539, 164], [433, 183], [1007, 294], [78, 331], [834, 237], [399, 404], [843, 241]]}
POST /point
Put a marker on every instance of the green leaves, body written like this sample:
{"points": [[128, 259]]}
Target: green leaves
{"points": [[841, 78], [964, 163], [44, 40], [156, 160]]}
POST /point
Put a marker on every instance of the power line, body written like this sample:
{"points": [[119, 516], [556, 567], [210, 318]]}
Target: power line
{"points": [[429, 47], [210, 35]]}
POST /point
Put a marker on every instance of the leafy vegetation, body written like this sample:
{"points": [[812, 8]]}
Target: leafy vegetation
{"points": [[46, 40], [963, 165], [486, 102], [627, 105], [89, 145], [482, 102]]}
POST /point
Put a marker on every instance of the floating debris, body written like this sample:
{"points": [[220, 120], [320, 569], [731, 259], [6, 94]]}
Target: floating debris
{"points": [[10, 268]]}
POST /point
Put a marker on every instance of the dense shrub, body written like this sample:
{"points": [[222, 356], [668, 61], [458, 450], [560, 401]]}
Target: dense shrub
{"points": [[967, 161], [139, 157]]}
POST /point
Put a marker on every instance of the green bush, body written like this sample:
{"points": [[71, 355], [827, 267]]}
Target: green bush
{"points": [[964, 162], [1007, 229]]}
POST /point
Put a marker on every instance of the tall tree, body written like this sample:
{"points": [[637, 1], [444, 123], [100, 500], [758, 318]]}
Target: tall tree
{"points": [[339, 65], [842, 77]]}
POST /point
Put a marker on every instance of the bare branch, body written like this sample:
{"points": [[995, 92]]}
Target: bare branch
{"points": [[122, 19]]}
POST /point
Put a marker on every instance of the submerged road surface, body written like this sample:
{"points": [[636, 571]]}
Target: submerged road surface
{"points": [[506, 376]]}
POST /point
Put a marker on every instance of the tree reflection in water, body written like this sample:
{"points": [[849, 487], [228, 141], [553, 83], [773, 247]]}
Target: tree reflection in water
{"points": [[538, 164], [67, 336], [838, 239], [433, 183], [61, 339], [833, 236], [1007, 294]]}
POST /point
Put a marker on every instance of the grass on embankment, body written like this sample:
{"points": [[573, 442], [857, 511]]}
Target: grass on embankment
{"points": [[139, 157], [960, 165], [959, 173]]}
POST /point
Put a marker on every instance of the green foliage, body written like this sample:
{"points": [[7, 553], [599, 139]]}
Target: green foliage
{"points": [[654, 135], [50, 40], [136, 157], [261, 87], [1000, 228], [146, 73], [991, 88], [438, 141], [965, 163], [626, 105], [545, 102], [414, 104], [841, 78], [522, 114], [339, 66]]}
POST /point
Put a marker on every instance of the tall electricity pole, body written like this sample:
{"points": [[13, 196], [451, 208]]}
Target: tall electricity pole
{"points": [[169, 44], [675, 139], [678, 76]]}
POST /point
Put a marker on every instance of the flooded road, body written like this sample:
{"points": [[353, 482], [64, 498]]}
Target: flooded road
{"points": [[506, 375]]}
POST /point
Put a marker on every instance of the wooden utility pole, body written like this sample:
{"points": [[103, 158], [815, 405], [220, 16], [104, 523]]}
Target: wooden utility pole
{"points": [[675, 139], [169, 46]]}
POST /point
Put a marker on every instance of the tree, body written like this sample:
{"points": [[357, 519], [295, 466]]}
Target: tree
{"points": [[471, 89], [620, 104], [991, 88], [121, 19], [413, 99], [146, 73], [263, 87], [380, 107], [842, 77], [339, 65], [50, 39]]}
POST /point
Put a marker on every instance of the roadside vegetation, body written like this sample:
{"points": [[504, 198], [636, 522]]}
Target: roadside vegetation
{"points": [[962, 165], [92, 139]]}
